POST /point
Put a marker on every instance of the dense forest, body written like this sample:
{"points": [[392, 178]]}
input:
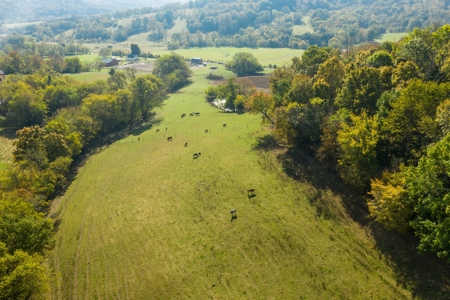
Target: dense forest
{"points": [[243, 23]]}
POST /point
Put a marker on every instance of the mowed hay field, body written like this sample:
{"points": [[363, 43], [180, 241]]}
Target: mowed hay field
{"points": [[144, 220]]}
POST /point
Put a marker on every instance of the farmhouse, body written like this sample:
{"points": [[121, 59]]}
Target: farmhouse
{"points": [[132, 58], [196, 61], [109, 62], [2, 75]]}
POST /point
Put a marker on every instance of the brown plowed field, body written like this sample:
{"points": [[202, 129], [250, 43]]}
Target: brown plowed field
{"points": [[261, 82]]}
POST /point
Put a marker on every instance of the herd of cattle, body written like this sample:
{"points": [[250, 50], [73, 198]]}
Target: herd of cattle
{"points": [[250, 192], [195, 113], [169, 139]]}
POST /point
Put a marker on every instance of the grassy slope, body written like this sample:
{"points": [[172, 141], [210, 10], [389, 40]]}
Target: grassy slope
{"points": [[18, 25], [143, 220], [265, 55], [304, 28], [391, 37], [6, 146]]}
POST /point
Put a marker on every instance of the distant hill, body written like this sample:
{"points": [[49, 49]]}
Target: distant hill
{"points": [[35, 10]]}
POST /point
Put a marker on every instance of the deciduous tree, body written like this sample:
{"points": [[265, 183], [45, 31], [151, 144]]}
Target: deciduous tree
{"points": [[358, 140], [261, 103], [148, 93], [244, 64]]}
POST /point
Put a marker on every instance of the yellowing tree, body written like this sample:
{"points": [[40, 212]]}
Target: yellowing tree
{"points": [[389, 204], [261, 103], [357, 141]]}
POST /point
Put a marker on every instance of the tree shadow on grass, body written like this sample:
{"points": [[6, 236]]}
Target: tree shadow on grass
{"points": [[145, 126], [425, 275], [8, 133], [266, 142]]}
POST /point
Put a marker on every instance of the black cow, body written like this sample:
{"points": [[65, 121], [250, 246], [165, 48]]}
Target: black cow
{"points": [[169, 138]]}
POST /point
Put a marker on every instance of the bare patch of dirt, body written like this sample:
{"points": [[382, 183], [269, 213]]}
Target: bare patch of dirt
{"points": [[260, 82], [140, 67]]}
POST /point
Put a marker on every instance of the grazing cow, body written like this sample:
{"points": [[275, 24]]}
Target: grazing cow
{"points": [[186, 144], [224, 125], [191, 114], [195, 155], [197, 114], [183, 115], [139, 139], [169, 138], [250, 191], [206, 131], [233, 213], [157, 130]]}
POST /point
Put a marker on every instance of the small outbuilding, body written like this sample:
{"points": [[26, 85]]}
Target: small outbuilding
{"points": [[196, 61], [2, 75], [132, 58], [110, 62]]}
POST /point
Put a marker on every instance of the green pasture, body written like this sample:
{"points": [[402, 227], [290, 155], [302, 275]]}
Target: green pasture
{"points": [[6, 147], [91, 76], [143, 219], [279, 57], [391, 37], [304, 28], [89, 58], [140, 39], [179, 27], [265, 56], [18, 25]]}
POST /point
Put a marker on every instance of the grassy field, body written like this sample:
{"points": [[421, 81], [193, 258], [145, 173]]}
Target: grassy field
{"points": [[302, 29], [144, 220], [91, 76], [6, 146], [18, 25], [391, 37], [265, 56]]}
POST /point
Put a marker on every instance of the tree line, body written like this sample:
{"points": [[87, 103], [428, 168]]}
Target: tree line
{"points": [[57, 117], [379, 117]]}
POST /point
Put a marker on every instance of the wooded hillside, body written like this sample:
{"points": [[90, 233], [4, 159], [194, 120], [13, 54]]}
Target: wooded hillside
{"points": [[241, 23]]}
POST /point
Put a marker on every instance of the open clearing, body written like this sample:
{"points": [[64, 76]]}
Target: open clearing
{"points": [[391, 37], [145, 220], [304, 28], [6, 147], [19, 25], [265, 56]]}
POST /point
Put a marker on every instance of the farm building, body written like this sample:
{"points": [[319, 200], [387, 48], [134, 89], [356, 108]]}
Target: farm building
{"points": [[132, 58], [109, 62], [2, 75], [196, 61]]}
